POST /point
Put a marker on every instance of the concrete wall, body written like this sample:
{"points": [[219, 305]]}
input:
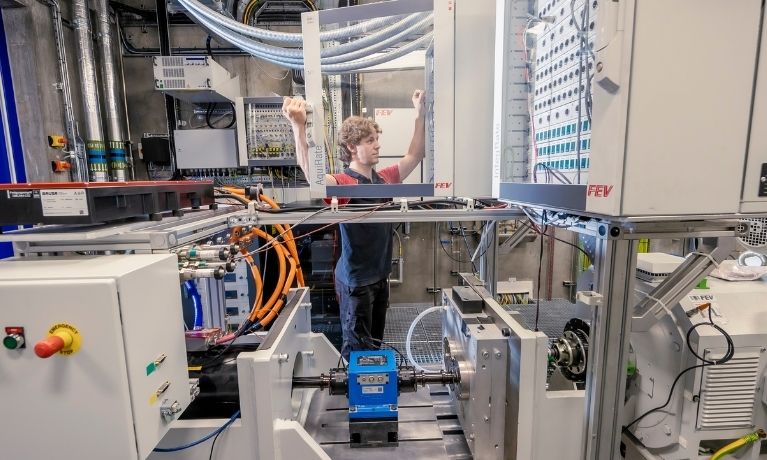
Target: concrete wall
{"points": [[34, 69], [146, 106]]}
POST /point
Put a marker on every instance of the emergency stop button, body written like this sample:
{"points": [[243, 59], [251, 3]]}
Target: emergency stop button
{"points": [[62, 338]]}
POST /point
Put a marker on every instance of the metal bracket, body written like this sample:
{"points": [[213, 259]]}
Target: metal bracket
{"points": [[194, 389], [169, 409], [403, 205], [590, 298], [334, 204], [656, 304], [469, 205]]}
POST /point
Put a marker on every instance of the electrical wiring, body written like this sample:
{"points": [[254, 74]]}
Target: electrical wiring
{"points": [[288, 232], [272, 314], [739, 443], [362, 215], [583, 251], [194, 6], [704, 362], [281, 259], [364, 211], [468, 249], [202, 440], [378, 342], [261, 316], [290, 59]]}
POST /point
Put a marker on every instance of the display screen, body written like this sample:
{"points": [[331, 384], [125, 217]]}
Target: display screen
{"points": [[371, 360]]}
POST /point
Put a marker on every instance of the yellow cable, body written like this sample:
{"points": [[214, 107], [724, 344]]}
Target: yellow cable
{"points": [[750, 438]]}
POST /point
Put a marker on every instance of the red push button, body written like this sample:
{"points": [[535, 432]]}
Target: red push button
{"points": [[54, 343]]}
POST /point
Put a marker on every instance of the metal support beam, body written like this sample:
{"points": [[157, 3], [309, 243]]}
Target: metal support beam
{"points": [[606, 378], [163, 31], [677, 285], [488, 259]]}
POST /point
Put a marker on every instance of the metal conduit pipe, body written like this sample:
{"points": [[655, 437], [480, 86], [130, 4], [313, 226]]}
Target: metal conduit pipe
{"points": [[94, 138], [75, 146], [115, 132], [123, 98]]}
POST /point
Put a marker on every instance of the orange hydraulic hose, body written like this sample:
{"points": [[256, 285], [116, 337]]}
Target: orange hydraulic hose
{"points": [[291, 243], [289, 239], [254, 270], [278, 306], [257, 280], [280, 282]]}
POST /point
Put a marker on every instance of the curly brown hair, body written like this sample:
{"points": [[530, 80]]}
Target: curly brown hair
{"points": [[353, 130]]}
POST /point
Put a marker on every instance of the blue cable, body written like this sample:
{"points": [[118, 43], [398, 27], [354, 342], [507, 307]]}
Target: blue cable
{"points": [[200, 441], [191, 289]]}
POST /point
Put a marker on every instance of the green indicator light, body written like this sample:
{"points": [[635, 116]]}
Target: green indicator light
{"points": [[10, 343]]}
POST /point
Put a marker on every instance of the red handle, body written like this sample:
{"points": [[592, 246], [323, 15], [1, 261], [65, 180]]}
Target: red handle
{"points": [[49, 346]]}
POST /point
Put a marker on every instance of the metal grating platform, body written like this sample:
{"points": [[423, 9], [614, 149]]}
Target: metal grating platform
{"points": [[427, 338], [554, 315]]}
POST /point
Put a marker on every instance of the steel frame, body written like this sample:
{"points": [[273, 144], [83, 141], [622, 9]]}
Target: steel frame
{"points": [[615, 264]]}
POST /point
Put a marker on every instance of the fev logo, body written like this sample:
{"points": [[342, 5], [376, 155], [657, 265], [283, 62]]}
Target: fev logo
{"points": [[384, 112], [442, 184], [599, 190]]}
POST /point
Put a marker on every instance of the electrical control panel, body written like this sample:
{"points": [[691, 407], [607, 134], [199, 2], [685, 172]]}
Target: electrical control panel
{"points": [[94, 361], [630, 106], [266, 136], [197, 79], [562, 66]]}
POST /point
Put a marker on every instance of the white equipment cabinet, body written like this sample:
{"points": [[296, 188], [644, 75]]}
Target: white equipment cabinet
{"points": [[104, 399], [674, 127], [197, 79]]}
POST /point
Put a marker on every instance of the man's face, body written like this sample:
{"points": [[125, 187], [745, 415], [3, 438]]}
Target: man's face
{"points": [[366, 152]]}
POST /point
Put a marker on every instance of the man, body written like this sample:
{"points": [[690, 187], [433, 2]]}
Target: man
{"points": [[362, 272]]}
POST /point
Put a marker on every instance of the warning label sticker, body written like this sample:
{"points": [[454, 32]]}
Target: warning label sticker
{"points": [[366, 390], [65, 202], [19, 194]]}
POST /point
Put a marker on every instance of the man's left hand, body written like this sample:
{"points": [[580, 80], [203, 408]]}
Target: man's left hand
{"points": [[419, 102]]}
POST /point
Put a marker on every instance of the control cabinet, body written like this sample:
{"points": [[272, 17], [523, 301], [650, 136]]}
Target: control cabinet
{"points": [[93, 363], [266, 137]]}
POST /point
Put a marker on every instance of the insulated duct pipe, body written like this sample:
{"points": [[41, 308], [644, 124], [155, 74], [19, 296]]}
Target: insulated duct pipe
{"points": [[94, 138], [75, 146], [116, 138]]}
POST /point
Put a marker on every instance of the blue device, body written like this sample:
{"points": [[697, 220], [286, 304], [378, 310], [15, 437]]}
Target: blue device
{"points": [[372, 385]]}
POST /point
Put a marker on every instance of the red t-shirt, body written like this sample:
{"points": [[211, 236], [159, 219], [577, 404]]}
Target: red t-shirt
{"points": [[390, 175]]}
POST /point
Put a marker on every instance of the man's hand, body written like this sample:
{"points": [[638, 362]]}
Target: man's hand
{"points": [[294, 110], [419, 102], [417, 149]]}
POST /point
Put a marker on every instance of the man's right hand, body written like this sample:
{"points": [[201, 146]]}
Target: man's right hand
{"points": [[294, 110]]}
